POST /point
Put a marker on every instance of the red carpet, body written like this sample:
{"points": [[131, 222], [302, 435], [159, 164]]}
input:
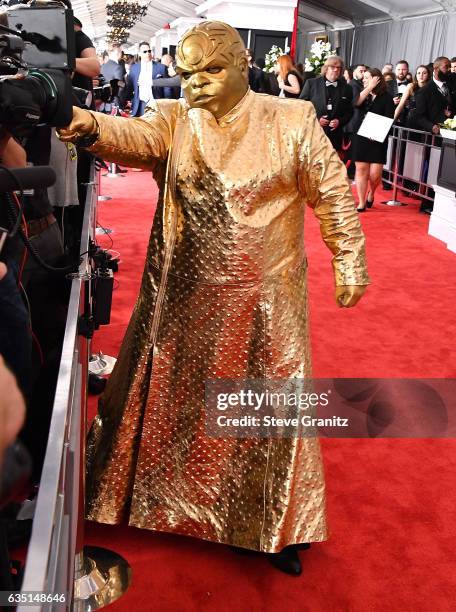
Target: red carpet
{"points": [[391, 503]]}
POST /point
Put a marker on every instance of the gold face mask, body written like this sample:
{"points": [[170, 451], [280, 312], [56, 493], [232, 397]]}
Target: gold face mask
{"points": [[211, 61]]}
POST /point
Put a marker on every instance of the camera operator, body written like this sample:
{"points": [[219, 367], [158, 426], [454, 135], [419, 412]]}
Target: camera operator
{"points": [[47, 296], [87, 64]]}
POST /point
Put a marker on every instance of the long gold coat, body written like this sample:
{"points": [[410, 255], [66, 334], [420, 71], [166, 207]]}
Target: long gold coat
{"points": [[223, 295]]}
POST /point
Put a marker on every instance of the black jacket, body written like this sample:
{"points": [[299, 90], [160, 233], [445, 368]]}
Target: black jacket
{"points": [[431, 105], [353, 125], [113, 71], [256, 79], [342, 96]]}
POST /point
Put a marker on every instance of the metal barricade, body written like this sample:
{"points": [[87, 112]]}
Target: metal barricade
{"points": [[58, 573], [413, 155]]}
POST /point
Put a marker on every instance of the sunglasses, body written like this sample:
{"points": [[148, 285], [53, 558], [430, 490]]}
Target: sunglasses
{"points": [[147, 51]]}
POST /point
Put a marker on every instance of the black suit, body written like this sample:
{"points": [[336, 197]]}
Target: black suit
{"points": [[355, 121], [256, 80], [270, 84], [340, 97], [352, 126], [113, 71], [431, 104]]}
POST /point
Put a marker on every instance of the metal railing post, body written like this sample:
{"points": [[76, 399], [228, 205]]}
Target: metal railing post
{"points": [[394, 201], [101, 198], [113, 171]]}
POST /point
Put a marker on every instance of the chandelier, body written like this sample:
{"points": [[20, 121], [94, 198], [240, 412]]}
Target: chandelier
{"points": [[122, 16], [118, 35]]}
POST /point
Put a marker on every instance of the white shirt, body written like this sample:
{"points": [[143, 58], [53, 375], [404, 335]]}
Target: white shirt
{"points": [[145, 82], [401, 87], [440, 85]]}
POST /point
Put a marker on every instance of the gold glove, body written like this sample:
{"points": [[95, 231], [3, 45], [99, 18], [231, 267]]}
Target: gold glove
{"points": [[348, 296], [82, 127]]}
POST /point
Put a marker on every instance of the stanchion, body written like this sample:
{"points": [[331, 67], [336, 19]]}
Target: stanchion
{"points": [[100, 576], [99, 230], [114, 171], [394, 201], [102, 198]]}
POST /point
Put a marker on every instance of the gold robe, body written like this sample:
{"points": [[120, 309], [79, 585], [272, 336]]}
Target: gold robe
{"points": [[223, 295]]}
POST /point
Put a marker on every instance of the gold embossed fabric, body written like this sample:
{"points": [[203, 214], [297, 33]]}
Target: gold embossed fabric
{"points": [[224, 295]]}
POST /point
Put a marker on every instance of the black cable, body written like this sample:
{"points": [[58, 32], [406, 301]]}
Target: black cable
{"points": [[106, 233], [17, 223], [31, 249], [29, 246]]}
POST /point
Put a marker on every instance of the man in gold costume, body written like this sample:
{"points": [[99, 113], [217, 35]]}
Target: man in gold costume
{"points": [[223, 296]]}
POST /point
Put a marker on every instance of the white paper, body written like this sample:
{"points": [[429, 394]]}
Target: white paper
{"points": [[376, 127]]}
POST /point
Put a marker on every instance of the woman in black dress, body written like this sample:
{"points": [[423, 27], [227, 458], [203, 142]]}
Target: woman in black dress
{"points": [[408, 100], [288, 77], [370, 155]]}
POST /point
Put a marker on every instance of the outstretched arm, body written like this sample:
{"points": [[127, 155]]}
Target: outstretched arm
{"points": [[138, 142], [324, 184], [174, 81]]}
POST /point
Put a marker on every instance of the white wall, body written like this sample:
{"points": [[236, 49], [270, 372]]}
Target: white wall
{"points": [[164, 39], [274, 15]]}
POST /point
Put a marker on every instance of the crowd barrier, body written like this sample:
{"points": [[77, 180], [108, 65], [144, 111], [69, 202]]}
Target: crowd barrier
{"points": [[60, 573], [413, 157]]}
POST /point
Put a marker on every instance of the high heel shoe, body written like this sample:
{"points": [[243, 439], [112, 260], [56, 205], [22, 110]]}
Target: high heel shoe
{"points": [[363, 209], [369, 203]]}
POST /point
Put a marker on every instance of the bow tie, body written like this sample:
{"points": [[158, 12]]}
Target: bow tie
{"points": [[329, 84], [402, 82]]}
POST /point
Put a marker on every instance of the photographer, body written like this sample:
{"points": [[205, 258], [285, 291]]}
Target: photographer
{"points": [[43, 290]]}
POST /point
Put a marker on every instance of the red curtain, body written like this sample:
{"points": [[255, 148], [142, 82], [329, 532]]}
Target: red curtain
{"points": [[295, 32]]}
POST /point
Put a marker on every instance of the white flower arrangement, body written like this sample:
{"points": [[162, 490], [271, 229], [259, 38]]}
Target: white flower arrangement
{"points": [[449, 124], [319, 51], [272, 57]]}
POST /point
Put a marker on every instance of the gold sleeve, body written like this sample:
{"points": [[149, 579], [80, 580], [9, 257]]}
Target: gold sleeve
{"points": [[324, 183], [136, 142]]}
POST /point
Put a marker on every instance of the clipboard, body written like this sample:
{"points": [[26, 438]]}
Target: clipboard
{"points": [[375, 127]]}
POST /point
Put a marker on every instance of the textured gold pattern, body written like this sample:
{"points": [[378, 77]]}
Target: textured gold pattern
{"points": [[223, 296]]}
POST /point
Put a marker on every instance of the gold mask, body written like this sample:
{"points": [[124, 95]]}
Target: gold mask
{"points": [[211, 61]]}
